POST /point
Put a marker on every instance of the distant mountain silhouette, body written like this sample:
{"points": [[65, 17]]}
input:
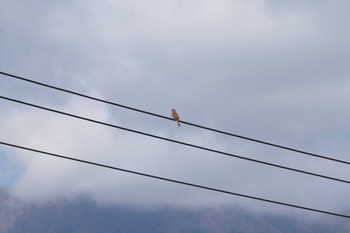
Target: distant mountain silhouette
{"points": [[84, 216]]}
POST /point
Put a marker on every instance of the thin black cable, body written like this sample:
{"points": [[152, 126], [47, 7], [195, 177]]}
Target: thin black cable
{"points": [[84, 96], [183, 122], [176, 181], [177, 142]]}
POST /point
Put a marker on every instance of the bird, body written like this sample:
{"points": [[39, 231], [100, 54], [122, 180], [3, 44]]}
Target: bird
{"points": [[175, 116]]}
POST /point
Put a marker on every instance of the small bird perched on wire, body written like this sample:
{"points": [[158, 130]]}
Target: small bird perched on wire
{"points": [[175, 116]]}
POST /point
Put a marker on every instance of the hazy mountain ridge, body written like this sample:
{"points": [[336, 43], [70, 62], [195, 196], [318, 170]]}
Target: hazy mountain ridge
{"points": [[85, 216], [10, 210]]}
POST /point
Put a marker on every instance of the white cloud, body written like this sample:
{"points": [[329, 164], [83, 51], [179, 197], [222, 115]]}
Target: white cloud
{"points": [[44, 178], [260, 68]]}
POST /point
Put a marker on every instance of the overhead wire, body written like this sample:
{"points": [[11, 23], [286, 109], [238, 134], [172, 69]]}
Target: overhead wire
{"points": [[176, 181], [183, 122], [174, 141]]}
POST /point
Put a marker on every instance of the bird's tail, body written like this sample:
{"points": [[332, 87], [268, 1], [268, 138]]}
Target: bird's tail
{"points": [[178, 123]]}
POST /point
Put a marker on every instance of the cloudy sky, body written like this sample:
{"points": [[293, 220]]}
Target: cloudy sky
{"points": [[272, 70]]}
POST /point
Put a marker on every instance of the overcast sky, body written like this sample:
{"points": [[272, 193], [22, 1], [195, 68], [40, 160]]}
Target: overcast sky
{"points": [[272, 70]]}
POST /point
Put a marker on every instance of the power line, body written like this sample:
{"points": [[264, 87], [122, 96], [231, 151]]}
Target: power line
{"points": [[183, 122], [175, 181], [176, 141]]}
